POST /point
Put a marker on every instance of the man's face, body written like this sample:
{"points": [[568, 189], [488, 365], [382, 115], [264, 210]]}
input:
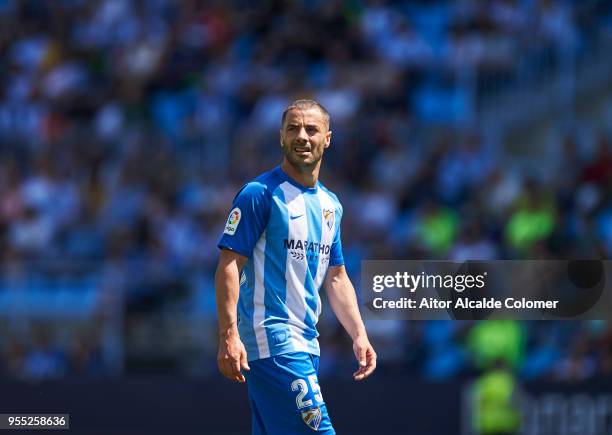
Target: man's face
{"points": [[304, 136]]}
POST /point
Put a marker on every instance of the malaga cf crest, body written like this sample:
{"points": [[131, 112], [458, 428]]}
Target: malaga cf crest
{"points": [[312, 418], [328, 218]]}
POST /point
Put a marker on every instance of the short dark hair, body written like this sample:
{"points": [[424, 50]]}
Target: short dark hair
{"points": [[305, 104]]}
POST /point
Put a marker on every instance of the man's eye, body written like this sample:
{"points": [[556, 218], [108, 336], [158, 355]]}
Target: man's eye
{"points": [[312, 130]]}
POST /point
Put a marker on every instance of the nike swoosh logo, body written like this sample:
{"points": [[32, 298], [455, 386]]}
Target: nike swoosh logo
{"points": [[295, 217]]}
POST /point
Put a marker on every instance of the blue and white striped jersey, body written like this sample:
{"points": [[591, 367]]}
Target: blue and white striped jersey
{"points": [[290, 235]]}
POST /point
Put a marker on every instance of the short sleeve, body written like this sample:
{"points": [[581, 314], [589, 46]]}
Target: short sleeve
{"points": [[247, 220], [335, 256]]}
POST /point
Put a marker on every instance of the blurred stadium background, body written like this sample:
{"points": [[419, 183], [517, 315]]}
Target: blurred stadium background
{"points": [[461, 130]]}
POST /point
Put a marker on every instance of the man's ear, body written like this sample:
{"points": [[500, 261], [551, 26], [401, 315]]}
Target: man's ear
{"points": [[328, 139]]}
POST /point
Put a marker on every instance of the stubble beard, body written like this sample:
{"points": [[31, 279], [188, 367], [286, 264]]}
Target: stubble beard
{"points": [[299, 164]]}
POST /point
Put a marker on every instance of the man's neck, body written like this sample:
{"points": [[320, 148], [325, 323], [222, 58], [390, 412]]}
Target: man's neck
{"points": [[307, 178]]}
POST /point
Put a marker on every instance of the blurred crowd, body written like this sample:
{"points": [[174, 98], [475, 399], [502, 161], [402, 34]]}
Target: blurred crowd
{"points": [[534, 350], [126, 127], [43, 357]]}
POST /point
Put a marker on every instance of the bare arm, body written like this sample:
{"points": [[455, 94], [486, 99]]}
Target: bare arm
{"points": [[232, 355], [343, 301]]}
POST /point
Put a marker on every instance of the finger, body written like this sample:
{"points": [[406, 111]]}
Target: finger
{"points": [[230, 372], [359, 373], [369, 370], [241, 363], [371, 366], [361, 356], [372, 357], [235, 366], [225, 369], [240, 378], [244, 363], [359, 370]]}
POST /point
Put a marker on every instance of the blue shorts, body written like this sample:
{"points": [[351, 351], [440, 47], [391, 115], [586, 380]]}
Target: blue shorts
{"points": [[285, 396]]}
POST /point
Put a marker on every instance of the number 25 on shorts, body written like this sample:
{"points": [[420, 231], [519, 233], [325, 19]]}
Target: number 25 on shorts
{"points": [[301, 386]]}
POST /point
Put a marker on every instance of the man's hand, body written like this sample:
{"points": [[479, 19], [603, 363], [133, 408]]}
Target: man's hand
{"points": [[343, 301], [364, 352], [232, 357]]}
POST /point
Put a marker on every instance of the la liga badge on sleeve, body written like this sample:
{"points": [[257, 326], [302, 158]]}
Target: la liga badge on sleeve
{"points": [[232, 221]]}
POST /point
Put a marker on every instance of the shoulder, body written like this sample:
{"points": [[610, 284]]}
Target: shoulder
{"points": [[253, 189], [260, 187]]}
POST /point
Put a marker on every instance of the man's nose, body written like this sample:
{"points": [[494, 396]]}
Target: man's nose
{"points": [[302, 136]]}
